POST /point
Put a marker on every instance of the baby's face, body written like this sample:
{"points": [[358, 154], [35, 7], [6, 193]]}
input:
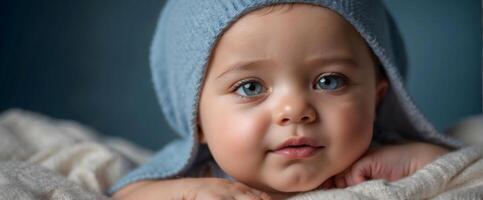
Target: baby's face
{"points": [[302, 75]]}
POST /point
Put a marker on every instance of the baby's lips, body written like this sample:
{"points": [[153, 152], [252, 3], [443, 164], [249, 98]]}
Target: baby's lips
{"points": [[298, 141]]}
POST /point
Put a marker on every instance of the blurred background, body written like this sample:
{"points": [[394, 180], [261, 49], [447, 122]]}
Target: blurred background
{"points": [[88, 61]]}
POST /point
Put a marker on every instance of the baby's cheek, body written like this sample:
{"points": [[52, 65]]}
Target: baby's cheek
{"points": [[245, 132], [238, 146], [350, 132]]}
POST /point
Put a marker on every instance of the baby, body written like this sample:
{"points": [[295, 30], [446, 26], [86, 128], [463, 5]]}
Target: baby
{"points": [[272, 99]]}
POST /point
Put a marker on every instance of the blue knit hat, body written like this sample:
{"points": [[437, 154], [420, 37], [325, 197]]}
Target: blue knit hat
{"points": [[186, 34]]}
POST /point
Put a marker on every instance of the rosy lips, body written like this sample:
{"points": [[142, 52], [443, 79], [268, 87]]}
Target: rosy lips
{"points": [[298, 147], [292, 152]]}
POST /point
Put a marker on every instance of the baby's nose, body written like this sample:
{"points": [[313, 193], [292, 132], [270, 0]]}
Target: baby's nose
{"points": [[294, 110]]}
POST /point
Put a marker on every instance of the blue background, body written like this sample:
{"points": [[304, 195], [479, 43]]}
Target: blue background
{"points": [[88, 61]]}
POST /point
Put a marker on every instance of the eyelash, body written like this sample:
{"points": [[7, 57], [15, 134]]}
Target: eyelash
{"points": [[238, 84], [344, 79]]}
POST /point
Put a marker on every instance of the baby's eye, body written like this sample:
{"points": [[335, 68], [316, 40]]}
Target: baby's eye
{"points": [[249, 88], [330, 82]]}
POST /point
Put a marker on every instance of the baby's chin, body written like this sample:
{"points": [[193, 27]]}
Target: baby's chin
{"points": [[291, 188], [295, 184]]}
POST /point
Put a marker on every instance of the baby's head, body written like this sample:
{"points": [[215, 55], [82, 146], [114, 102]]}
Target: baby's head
{"points": [[250, 77], [289, 97]]}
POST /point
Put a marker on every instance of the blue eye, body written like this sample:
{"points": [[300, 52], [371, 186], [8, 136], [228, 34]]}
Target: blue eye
{"points": [[249, 89], [330, 82]]}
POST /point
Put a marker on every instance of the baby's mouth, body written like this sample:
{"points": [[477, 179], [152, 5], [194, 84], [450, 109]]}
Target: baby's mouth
{"points": [[297, 148], [297, 152]]}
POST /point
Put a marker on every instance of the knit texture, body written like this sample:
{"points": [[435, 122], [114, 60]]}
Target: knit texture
{"points": [[456, 175], [50, 159], [186, 34]]}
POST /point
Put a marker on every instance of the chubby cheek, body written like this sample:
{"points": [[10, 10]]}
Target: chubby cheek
{"points": [[236, 139], [350, 128]]}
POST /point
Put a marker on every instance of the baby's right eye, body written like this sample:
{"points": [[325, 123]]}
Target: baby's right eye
{"points": [[249, 88]]}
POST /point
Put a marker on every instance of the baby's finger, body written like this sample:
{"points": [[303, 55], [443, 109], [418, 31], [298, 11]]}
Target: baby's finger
{"points": [[252, 196], [248, 194], [245, 196], [360, 171], [359, 176], [355, 176], [264, 196], [340, 180], [259, 194], [251, 193], [348, 178], [328, 184]]}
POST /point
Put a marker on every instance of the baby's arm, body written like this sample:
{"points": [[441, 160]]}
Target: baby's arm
{"points": [[188, 188], [389, 162]]}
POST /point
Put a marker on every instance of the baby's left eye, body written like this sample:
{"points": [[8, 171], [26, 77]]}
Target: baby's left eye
{"points": [[249, 88], [330, 82]]}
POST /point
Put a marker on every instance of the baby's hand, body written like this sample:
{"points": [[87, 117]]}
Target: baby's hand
{"points": [[190, 188], [390, 162], [216, 188]]}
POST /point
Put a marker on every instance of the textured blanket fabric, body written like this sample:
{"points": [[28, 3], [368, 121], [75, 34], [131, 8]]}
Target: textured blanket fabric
{"points": [[43, 158], [26, 181], [458, 175]]}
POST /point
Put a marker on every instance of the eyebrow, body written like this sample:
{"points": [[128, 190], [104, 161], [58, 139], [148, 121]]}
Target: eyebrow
{"points": [[336, 60], [319, 61], [244, 65]]}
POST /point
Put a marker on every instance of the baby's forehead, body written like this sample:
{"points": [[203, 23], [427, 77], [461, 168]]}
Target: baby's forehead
{"points": [[294, 22], [287, 31]]}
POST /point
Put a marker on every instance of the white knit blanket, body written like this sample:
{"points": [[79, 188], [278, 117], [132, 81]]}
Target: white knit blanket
{"points": [[44, 158], [49, 159]]}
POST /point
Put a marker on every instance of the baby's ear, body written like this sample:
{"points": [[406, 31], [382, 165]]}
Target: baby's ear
{"points": [[201, 136], [381, 89]]}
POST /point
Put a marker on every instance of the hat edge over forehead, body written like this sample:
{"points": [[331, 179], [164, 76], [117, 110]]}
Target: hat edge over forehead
{"points": [[187, 32]]}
